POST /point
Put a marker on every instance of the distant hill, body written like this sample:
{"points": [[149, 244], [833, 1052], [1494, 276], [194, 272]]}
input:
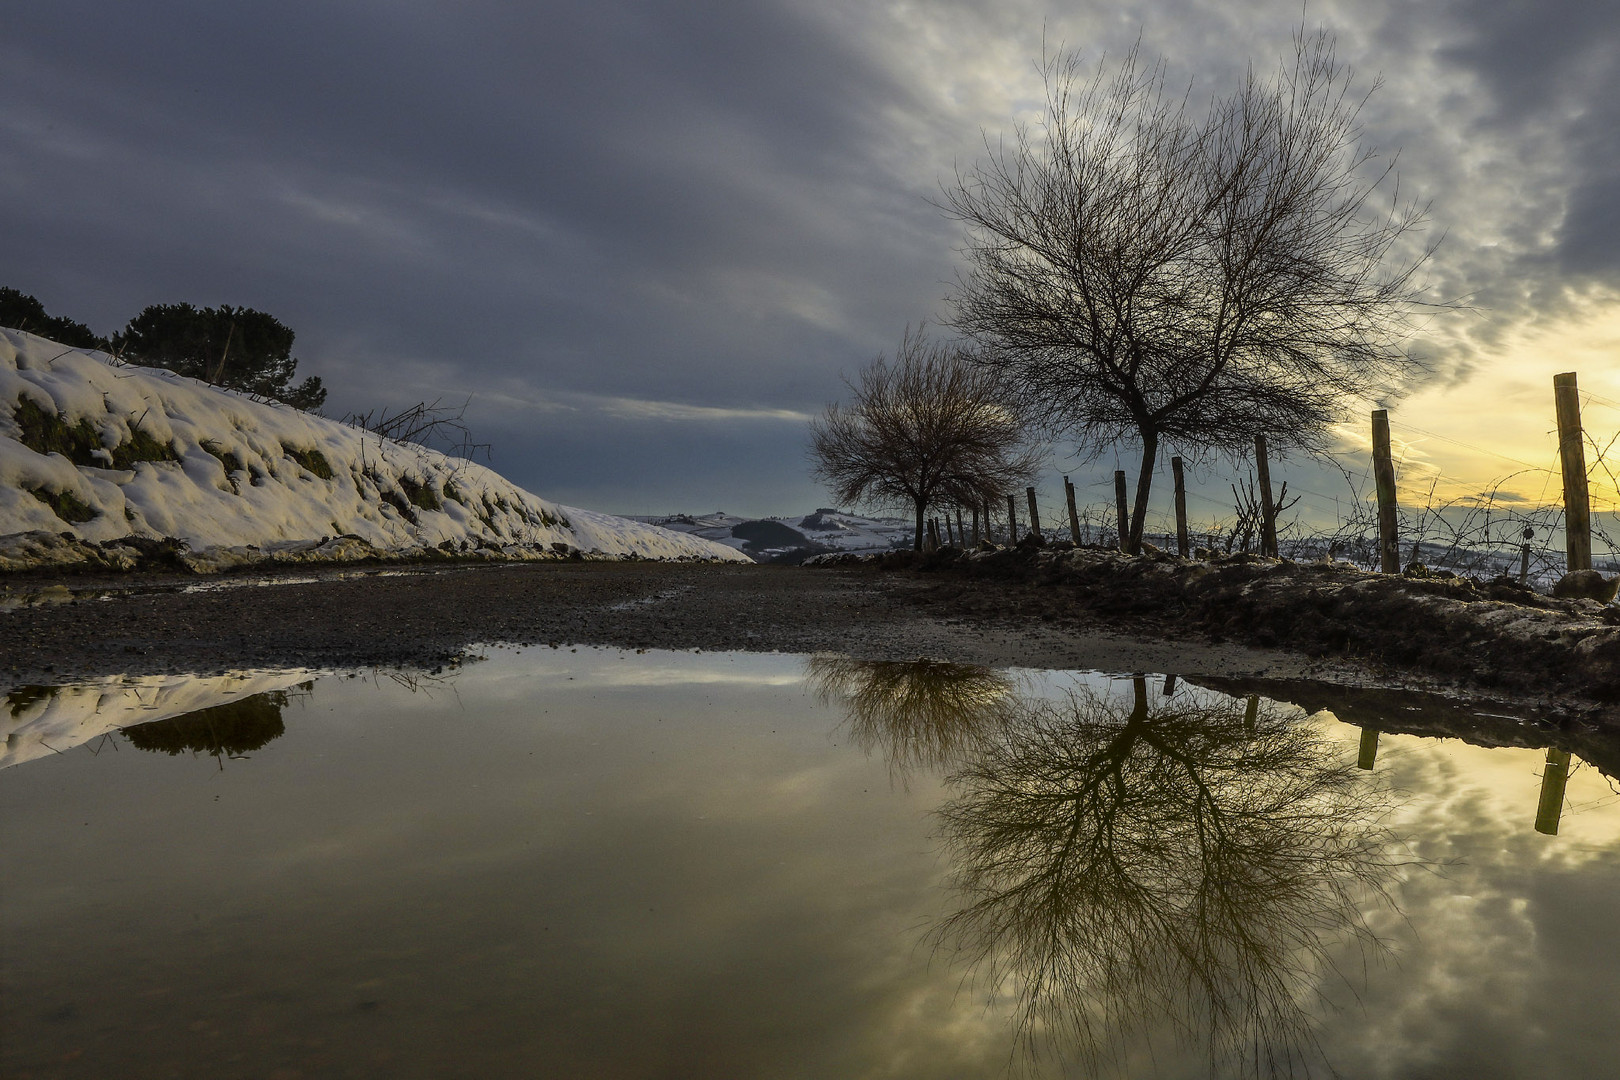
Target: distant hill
{"points": [[103, 463], [796, 537]]}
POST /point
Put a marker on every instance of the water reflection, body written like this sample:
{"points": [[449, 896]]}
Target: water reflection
{"points": [[1381, 712], [919, 714], [41, 721], [1127, 865], [232, 730]]}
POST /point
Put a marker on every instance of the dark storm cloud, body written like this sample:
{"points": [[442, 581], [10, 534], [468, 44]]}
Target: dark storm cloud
{"points": [[1529, 98], [714, 204], [1554, 68], [639, 189]]}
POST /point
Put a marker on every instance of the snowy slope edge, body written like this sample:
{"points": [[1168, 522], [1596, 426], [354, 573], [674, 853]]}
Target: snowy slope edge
{"points": [[100, 461]]}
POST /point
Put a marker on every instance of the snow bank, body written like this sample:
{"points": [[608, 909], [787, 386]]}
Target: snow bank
{"points": [[97, 457]]}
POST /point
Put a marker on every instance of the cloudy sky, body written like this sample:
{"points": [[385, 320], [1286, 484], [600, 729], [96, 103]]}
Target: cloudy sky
{"points": [[648, 238]]}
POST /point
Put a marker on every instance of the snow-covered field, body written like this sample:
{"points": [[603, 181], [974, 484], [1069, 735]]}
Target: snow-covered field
{"points": [[94, 454]]}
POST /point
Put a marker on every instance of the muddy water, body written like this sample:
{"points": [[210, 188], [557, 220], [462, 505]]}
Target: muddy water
{"points": [[611, 864]]}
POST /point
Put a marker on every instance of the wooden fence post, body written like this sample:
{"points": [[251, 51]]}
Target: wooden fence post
{"points": [[1268, 510], [975, 526], [1074, 518], [1389, 555], [1012, 519], [1120, 509], [1553, 779], [961, 534], [1572, 459], [1183, 547], [1034, 518]]}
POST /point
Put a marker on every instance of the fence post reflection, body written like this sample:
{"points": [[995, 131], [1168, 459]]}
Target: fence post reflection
{"points": [[1369, 748], [1551, 807]]}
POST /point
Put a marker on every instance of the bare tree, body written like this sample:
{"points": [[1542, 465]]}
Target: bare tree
{"points": [[1143, 272], [931, 429]]}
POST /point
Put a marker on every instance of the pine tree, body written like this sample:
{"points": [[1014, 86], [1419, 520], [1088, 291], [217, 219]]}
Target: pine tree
{"points": [[237, 348]]}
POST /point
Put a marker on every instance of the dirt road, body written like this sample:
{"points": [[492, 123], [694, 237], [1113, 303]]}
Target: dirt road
{"points": [[60, 628]]}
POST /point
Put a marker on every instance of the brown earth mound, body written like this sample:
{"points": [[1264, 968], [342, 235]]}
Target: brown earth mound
{"points": [[1497, 636]]}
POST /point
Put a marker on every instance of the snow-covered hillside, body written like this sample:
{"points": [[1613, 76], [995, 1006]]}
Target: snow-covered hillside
{"points": [[98, 459]]}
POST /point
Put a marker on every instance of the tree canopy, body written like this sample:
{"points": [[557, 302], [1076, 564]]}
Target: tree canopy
{"points": [[930, 429], [1143, 271], [20, 311], [237, 348]]}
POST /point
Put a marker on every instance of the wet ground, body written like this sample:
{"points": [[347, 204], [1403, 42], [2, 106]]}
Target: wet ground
{"points": [[1557, 659], [57, 627]]}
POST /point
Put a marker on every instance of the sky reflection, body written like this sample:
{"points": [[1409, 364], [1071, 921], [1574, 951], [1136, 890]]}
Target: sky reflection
{"points": [[620, 865]]}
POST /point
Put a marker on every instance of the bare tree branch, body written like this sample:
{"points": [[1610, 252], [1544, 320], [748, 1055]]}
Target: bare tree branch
{"points": [[931, 429], [1139, 272]]}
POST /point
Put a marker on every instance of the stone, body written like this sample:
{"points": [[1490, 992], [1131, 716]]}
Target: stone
{"points": [[1586, 585]]}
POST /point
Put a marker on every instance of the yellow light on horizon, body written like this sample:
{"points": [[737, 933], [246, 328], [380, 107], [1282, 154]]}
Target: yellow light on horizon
{"points": [[1495, 430]]}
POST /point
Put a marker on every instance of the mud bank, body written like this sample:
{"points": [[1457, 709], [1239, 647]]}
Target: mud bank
{"points": [[1495, 638]]}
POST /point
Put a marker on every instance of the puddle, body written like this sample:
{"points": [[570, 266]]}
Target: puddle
{"points": [[17, 599], [603, 863]]}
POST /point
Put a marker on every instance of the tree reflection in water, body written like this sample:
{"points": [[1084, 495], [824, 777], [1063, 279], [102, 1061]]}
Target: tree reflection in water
{"points": [[920, 714], [1124, 867], [231, 730]]}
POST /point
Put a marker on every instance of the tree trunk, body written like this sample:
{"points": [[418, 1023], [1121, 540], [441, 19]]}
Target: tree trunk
{"points": [[1144, 485], [916, 544]]}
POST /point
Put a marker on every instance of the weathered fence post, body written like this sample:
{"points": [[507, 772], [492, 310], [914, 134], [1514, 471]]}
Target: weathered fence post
{"points": [[1169, 684], [1120, 510], [1572, 459], [1034, 518], [1369, 748], [975, 526], [1268, 510], [1012, 519], [1074, 518], [1389, 555], [1183, 547], [1251, 713], [1553, 778], [961, 534], [1524, 556]]}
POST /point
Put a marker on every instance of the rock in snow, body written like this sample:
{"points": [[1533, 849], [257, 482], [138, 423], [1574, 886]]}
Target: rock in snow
{"points": [[103, 463]]}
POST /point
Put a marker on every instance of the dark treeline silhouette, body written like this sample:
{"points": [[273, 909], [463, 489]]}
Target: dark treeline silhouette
{"points": [[234, 347]]}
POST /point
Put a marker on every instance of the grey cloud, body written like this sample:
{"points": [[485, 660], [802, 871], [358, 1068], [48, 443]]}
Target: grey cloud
{"points": [[718, 205]]}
